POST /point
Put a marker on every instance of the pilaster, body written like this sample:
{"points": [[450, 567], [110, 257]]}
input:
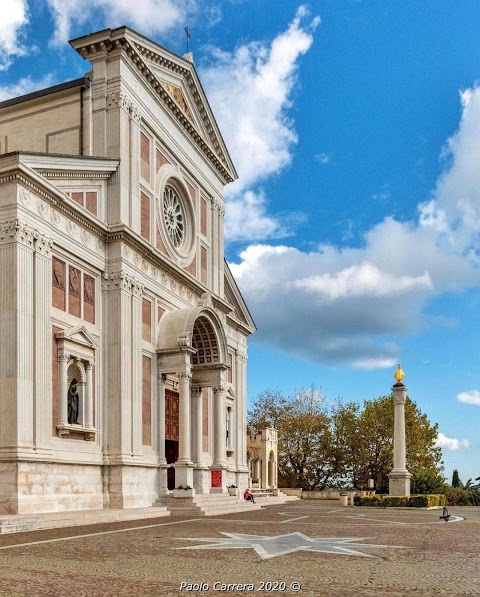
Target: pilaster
{"points": [[241, 406], [121, 314], [42, 343], [136, 368], [24, 316]]}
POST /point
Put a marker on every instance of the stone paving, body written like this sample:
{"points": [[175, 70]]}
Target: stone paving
{"points": [[414, 554]]}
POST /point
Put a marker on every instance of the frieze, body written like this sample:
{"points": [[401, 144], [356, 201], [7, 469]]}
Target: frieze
{"points": [[42, 208], [86, 238], [28, 191], [55, 218], [24, 196]]}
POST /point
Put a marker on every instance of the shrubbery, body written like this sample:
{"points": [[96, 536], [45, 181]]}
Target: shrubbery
{"points": [[398, 501], [457, 496]]}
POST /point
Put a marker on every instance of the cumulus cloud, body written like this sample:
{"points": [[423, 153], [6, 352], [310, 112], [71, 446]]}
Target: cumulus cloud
{"points": [[471, 397], [346, 305], [24, 86], [148, 16], [450, 443], [250, 92], [12, 25], [454, 209]]}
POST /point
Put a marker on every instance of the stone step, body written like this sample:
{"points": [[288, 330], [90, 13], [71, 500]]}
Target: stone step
{"points": [[49, 520]]}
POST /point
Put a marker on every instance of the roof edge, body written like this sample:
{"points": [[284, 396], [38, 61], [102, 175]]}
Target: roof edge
{"points": [[81, 82]]}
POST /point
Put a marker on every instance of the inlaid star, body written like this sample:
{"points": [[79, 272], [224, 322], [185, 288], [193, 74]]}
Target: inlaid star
{"points": [[279, 545]]}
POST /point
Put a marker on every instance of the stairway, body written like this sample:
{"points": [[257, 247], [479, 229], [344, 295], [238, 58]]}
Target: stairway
{"points": [[13, 523], [216, 504], [271, 497], [209, 504]]}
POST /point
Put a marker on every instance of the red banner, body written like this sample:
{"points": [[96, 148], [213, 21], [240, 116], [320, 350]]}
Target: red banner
{"points": [[216, 478]]}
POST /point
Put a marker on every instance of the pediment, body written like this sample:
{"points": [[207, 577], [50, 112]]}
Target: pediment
{"points": [[78, 335], [175, 83], [234, 298]]}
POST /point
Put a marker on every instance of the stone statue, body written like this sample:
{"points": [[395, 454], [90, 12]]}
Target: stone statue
{"points": [[73, 400]]}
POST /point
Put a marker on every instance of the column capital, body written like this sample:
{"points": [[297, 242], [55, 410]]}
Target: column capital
{"points": [[184, 376], [63, 356], [196, 391], [161, 378], [88, 365], [219, 390], [399, 394]]}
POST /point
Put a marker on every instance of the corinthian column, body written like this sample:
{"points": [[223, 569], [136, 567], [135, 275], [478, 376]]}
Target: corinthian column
{"points": [[219, 413], [184, 451], [399, 478], [197, 424]]}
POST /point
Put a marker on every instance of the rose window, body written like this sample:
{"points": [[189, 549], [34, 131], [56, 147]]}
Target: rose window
{"points": [[174, 216]]}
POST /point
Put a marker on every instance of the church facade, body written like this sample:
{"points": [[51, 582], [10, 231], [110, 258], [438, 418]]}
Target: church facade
{"points": [[124, 335]]}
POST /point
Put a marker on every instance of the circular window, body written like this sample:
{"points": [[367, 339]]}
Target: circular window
{"points": [[174, 216]]}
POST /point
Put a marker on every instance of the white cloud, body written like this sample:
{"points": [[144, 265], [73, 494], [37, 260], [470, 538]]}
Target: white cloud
{"points": [[346, 305], [250, 93], [454, 210], [450, 443], [471, 397], [364, 279], [12, 23], [323, 158], [24, 86], [148, 16]]}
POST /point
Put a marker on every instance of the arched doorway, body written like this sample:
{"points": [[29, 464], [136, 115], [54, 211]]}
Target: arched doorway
{"points": [[192, 351]]}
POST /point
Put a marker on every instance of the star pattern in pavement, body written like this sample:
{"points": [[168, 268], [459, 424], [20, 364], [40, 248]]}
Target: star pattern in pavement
{"points": [[279, 545]]}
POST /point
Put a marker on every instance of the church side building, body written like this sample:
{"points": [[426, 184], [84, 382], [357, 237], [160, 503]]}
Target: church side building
{"points": [[124, 335]]}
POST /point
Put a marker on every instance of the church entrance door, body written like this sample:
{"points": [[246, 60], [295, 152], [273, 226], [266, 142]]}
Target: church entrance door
{"points": [[171, 435]]}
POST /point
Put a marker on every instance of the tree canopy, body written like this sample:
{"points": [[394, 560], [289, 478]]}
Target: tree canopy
{"points": [[324, 444]]}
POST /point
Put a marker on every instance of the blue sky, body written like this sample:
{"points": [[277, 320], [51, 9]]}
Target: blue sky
{"points": [[353, 230]]}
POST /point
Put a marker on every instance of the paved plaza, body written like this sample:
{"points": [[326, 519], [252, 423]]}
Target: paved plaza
{"points": [[303, 548]]}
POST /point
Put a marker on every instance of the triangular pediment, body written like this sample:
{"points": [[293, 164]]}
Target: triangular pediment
{"points": [[234, 298], [175, 83], [78, 335]]}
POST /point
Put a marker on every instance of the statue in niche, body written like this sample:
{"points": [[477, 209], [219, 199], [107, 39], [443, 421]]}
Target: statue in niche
{"points": [[73, 401]]}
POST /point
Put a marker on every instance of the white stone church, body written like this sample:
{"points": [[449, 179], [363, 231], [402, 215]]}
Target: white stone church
{"points": [[123, 334]]}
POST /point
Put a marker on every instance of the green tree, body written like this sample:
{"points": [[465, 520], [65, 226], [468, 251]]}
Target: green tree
{"points": [[322, 444], [456, 479], [306, 454], [375, 424]]}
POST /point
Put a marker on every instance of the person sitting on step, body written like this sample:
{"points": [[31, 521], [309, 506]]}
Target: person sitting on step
{"points": [[248, 496]]}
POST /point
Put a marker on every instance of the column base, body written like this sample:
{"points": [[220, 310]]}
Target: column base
{"points": [[399, 483], [183, 474]]}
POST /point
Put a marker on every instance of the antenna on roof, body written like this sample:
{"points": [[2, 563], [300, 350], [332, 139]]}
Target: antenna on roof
{"points": [[187, 33]]}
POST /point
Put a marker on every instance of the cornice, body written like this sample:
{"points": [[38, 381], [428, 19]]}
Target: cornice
{"points": [[52, 199], [134, 53]]}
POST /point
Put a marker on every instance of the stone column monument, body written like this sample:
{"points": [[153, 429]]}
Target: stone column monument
{"points": [[399, 478]]}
